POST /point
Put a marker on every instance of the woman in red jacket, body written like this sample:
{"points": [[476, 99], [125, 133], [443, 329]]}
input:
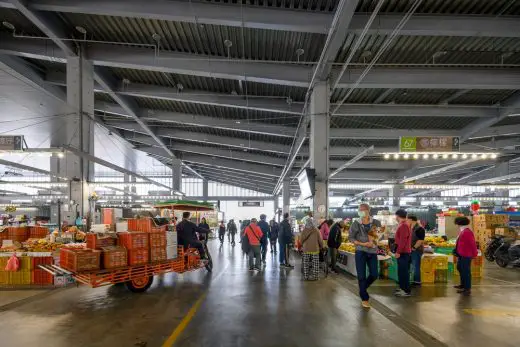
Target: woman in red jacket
{"points": [[465, 251]]}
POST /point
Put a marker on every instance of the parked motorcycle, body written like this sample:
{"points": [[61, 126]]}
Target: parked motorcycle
{"points": [[508, 254], [492, 246]]}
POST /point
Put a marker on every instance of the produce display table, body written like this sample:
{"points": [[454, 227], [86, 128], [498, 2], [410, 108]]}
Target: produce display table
{"points": [[347, 262]]}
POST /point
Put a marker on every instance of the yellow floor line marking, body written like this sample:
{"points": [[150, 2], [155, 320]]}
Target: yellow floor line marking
{"points": [[189, 316], [492, 313]]}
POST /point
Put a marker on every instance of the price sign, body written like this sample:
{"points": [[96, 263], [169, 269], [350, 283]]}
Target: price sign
{"points": [[429, 144], [11, 143]]}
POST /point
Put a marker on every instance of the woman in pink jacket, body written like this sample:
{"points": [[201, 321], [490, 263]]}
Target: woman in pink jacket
{"points": [[465, 251]]}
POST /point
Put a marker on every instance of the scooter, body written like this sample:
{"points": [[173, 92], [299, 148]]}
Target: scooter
{"points": [[492, 247], [507, 254]]}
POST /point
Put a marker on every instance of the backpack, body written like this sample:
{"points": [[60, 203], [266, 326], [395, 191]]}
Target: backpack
{"points": [[246, 247]]}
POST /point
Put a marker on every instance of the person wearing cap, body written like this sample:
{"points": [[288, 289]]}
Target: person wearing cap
{"points": [[254, 235], [403, 240], [418, 235], [266, 229], [366, 251], [465, 251]]}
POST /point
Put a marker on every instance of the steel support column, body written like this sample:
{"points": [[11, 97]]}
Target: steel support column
{"points": [[395, 196], [205, 186], [286, 195], [76, 130], [177, 175], [319, 146]]}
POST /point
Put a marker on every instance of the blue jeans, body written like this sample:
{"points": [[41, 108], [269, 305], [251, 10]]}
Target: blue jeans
{"points": [[464, 267], [416, 265], [281, 256], [403, 271], [364, 259]]}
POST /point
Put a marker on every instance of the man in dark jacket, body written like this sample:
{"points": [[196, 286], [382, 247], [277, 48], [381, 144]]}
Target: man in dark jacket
{"points": [[285, 239], [273, 235], [232, 230], [264, 226], [333, 242], [187, 234]]}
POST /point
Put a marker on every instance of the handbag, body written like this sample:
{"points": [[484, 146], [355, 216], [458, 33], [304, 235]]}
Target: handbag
{"points": [[246, 246]]}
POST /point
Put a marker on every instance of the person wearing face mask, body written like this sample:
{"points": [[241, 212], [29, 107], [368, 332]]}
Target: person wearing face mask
{"points": [[366, 251], [403, 240]]}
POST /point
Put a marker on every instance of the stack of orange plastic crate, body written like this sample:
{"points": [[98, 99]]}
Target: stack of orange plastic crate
{"points": [[137, 244], [142, 224], [157, 245], [39, 276], [38, 232], [19, 234]]}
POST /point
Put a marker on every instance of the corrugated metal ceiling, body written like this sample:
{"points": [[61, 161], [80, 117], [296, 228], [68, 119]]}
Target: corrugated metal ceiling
{"points": [[364, 143], [483, 97], [447, 50], [20, 22], [202, 39], [401, 122], [483, 7], [217, 85]]}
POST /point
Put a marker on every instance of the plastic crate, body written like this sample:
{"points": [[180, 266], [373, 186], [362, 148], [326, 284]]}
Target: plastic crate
{"points": [[444, 250], [157, 239], [20, 277], [138, 256], [114, 257], [4, 277], [441, 275], [41, 277], [134, 240], [157, 254], [143, 224], [427, 264], [428, 277], [95, 241], [441, 263], [38, 232], [19, 234], [80, 260]]}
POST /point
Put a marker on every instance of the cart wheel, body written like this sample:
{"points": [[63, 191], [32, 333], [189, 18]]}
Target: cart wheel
{"points": [[501, 261], [139, 285]]}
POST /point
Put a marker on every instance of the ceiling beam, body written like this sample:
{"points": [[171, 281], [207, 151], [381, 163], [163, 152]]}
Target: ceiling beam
{"points": [[237, 165], [243, 125], [190, 149], [24, 167], [272, 73], [365, 175], [438, 171], [337, 34], [378, 134], [49, 25], [282, 19], [509, 107], [205, 138], [352, 161], [279, 105]]}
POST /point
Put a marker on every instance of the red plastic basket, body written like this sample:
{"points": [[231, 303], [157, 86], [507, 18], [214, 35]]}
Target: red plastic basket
{"points": [[97, 242], [138, 256], [19, 234], [157, 254], [134, 240], [157, 239], [41, 277], [38, 232], [143, 224], [80, 260], [114, 257]]}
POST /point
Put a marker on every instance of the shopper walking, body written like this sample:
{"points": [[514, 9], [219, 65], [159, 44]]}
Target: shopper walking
{"points": [[221, 232], [265, 232], [273, 235], [312, 243], [403, 241], [465, 251], [366, 251], [285, 240], [232, 231], [334, 242], [418, 235], [254, 235], [325, 229]]}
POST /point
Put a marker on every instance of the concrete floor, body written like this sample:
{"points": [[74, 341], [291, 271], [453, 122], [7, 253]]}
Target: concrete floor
{"points": [[273, 308]]}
